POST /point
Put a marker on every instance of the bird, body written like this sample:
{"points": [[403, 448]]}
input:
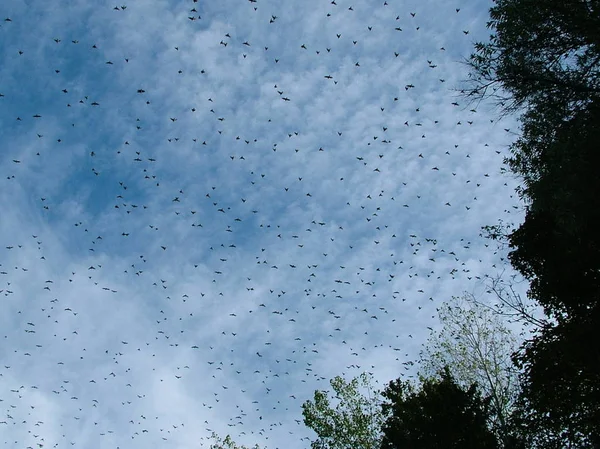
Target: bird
{"points": [[199, 221]]}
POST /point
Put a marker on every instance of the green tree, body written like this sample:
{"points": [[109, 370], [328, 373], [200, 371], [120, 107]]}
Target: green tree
{"points": [[354, 419], [440, 414], [227, 443], [477, 346]]}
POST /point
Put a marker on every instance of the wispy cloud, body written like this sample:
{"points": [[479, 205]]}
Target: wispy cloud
{"points": [[196, 236]]}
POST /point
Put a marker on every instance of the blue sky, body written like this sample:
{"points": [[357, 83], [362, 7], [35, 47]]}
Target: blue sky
{"points": [[196, 236]]}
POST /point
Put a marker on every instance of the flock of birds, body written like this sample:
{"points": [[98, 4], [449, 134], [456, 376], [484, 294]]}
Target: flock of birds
{"points": [[200, 253]]}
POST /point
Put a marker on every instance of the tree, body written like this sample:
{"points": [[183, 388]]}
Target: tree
{"points": [[354, 423], [438, 415], [227, 443], [560, 401], [510, 304], [477, 347], [558, 249], [540, 54], [558, 245], [543, 58]]}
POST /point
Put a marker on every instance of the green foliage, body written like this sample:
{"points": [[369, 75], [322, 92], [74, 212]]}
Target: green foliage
{"points": [[477, 347], [354, 422], [227, 443], [439, 415]]}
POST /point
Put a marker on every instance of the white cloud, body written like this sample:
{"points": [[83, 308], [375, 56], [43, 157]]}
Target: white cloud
{"points": [[257, 297]]}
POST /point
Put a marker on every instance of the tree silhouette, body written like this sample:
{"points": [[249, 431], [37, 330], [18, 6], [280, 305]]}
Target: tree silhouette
{"points": [[543, 59], [438, 415]]}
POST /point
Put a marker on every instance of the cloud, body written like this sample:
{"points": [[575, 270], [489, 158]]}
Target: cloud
{"points": [[214, 223]]}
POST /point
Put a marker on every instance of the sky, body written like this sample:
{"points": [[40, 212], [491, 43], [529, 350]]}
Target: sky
{"points": [[209, 209]]}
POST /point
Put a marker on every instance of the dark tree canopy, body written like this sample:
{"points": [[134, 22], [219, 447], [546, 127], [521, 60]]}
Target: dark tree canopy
{"points": [[441, 415], [543, 60], [558, 245], [541, 53], [560, 403]]}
